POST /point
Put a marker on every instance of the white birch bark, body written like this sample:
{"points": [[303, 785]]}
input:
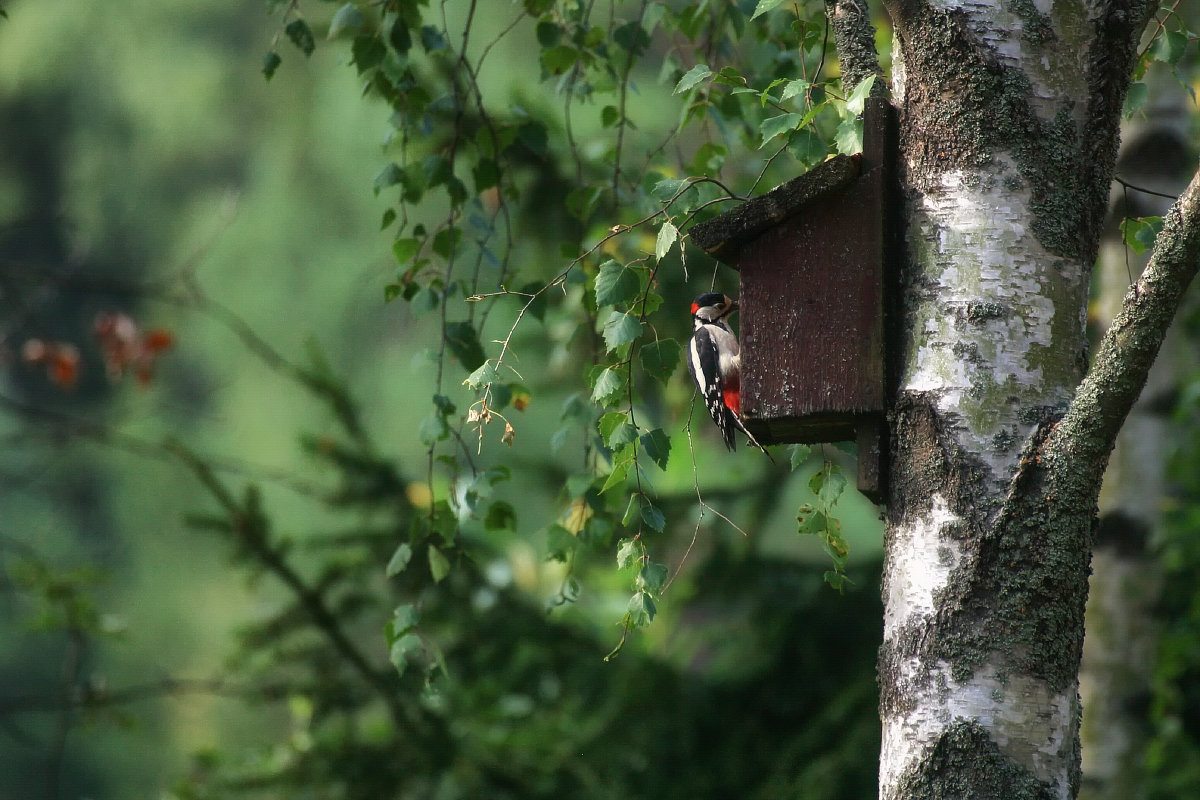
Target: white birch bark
{"points": [[994, 313]]}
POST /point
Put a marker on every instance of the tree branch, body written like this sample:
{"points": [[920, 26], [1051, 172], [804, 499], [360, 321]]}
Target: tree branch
{"points": [[854, 37], [1087, 433], [250, 529]]}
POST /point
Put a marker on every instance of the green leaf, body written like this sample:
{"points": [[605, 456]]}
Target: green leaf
{"points": [[652, 578], [773, 126], [559, 438], [667, 188], [270, 63], [557, 60], [857, 98], [610, 386], [444, 521], [620, 329], [400, 649], [432, 39], [399, 560], [487, 373], [628, 552], [301, 35], [433, 429], [390, 175], [654, 517], [657, 445], [660, 358], [622, 463], [807, 147], [486, 174], [616, 284], [692, 77], [849, 137], [796, 88], [709, 158], [367, 52], [439, 565], [405, 249], [560, 543], [404, 619], [464, 344], [633, 510], [447, 241], [641, 610], [549, 33], [632, 37], [615, 429], [764, 96], [1140, 232], [534, 136], [667, 235], [832, 487], [422, 301], [729, 76], [650, 303], [1148, 233], [810, 520], [347, 18], [799, 454], [1170, 46], [501, 516], [1135, 99], [764, 6]]}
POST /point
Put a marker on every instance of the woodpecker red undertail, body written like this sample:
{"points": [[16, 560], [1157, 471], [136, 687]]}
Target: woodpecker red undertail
{"points": [[715, 361]]}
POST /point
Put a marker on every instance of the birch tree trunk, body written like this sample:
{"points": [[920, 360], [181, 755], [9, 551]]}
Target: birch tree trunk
{"points": [[1009, 129]]}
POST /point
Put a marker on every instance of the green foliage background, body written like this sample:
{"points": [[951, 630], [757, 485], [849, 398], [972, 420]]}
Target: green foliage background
{"points": [[310, 558], [152, 640]]}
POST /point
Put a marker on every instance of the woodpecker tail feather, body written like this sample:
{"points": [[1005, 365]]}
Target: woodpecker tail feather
{"points": [[738, 421]]}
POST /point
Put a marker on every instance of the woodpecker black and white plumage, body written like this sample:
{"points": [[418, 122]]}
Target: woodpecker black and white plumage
{"points": [[715, 361], [714, 358]]}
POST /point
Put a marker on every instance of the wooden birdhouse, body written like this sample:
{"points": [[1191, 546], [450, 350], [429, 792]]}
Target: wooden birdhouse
{"points": [[812, 256]]}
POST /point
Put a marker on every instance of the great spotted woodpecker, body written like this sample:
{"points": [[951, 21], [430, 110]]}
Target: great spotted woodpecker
{"points": [[715, 361]]}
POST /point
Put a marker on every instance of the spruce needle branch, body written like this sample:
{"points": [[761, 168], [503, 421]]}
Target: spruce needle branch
{"points": [[145, 448], [250, 528]]}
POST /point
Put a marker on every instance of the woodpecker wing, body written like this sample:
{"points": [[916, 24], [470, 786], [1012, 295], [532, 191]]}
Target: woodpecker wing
{"points": [[704, 364]]}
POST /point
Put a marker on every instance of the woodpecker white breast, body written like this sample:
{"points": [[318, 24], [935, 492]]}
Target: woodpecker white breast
{"points": [[714, 360]]}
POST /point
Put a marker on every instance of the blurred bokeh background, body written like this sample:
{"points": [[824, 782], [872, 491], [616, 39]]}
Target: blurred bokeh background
{"points": [[200, 507], [150, 171]]}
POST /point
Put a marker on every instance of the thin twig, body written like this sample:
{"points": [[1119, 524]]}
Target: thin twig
{"points": [[1127, 185]]}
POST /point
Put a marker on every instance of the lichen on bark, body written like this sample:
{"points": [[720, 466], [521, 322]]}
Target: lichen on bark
{"points": [[965, 762], [1005, 165]]}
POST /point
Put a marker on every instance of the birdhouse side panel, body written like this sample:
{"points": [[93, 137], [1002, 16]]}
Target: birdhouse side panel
{"points": [[812, 318]]}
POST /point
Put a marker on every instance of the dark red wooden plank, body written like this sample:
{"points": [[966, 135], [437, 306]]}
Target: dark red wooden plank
{"points": [[722, 236], [812, 318], [813, 256]]}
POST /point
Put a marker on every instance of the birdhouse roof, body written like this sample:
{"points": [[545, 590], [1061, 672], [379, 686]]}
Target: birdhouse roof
{"points": [[722, 237]]}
